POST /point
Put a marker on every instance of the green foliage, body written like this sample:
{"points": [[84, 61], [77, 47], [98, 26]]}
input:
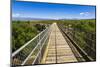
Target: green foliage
{"points": [[40, 27], [22, 31]]}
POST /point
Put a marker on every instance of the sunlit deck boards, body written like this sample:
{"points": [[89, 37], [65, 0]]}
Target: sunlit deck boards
{"points": [[58, 50]]}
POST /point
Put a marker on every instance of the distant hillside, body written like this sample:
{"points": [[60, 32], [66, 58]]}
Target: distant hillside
{"points": [[31, 19], [21, 18]]}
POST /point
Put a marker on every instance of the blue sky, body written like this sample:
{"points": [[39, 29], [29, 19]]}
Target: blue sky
{"points": [[51, 11]]}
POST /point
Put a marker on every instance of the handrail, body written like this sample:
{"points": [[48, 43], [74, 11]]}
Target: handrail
{"points": [[40, 49], [84, 42], [34, 49], [18, 54], [42, 45], [81, 51], [18, 50]]}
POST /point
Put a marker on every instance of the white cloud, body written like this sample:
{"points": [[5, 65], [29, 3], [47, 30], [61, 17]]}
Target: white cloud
{"points": [[81, 13], [16, 15], [21, 15], [84, 13]]}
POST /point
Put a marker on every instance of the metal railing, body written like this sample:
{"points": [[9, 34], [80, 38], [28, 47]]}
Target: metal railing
{"points": [[83, 47], [88, 45], [32, 51]]}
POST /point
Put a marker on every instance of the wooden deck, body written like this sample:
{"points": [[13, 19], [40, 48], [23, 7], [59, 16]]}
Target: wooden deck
{"points": [[58, 50]]}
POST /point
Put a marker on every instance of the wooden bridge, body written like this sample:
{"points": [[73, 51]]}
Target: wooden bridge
{"points": [[58, 50], [48, 47]]}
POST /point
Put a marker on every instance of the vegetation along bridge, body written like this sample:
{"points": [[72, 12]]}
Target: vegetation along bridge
{"points": [[52, 45]]}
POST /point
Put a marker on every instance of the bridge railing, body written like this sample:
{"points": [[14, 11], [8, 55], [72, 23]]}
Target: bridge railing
{"points": [[31, 52], [86, 47], [89, 43]]}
